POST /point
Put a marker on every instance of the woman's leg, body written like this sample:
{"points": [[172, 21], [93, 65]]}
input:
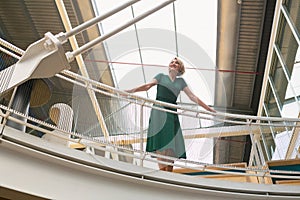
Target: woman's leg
{"points": [[165, 167]]}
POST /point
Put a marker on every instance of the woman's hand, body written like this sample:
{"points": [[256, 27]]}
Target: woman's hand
{"points": [[211, 109]]}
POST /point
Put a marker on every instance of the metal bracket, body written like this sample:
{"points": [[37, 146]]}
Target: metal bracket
{"points": [[42, 59]]}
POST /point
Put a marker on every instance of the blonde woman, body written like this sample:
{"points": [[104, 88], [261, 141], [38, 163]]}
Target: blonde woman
{"points": [[164, 132]]}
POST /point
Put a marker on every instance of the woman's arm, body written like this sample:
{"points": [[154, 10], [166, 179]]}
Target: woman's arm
{"points": [[195, 99], [144, 87]]}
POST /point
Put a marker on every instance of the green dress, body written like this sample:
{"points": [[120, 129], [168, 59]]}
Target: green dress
{"points": [[164, 131]]}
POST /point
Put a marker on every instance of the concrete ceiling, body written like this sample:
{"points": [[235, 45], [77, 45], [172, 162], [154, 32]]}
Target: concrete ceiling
{"points": [[243, 38], [244, 28]]}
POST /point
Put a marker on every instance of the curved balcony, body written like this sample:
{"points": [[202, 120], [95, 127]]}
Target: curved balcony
{"points": [[98, 151], [70, 164]]}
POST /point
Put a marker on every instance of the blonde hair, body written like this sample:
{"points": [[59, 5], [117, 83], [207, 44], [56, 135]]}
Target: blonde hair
{"points": [[181, 66]]}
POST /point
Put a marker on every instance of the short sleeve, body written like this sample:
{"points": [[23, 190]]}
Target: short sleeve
{"points": [[158, 77], [182, 83]]}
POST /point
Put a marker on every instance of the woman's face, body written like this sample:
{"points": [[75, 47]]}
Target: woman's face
{"points": [[174, 65]]}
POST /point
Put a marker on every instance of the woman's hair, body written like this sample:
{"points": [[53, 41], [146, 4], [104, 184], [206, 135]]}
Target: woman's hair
{"points": [[181, 66]]}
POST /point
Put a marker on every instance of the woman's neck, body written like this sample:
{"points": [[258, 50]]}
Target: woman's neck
{"points": [[172, 75]]}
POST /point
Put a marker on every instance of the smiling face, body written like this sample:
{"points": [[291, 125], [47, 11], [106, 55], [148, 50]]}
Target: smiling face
{"points": [[177, 65]]}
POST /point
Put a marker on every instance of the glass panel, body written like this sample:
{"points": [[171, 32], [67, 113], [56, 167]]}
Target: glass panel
{"points": [[287, 44], [165, 13], [289, 93], [281, 141], [293, 8], [295, 81], [271, 105], [272, 141], [113, 21], [290, 108], [189, 18], [264, 137], [279, 79], [126, 72]]}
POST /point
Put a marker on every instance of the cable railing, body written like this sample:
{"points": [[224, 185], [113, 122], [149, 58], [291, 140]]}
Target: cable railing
{"points": [[102, 144], [251, 124], [117, 143]]}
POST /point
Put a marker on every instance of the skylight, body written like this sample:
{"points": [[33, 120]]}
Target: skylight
{"points": [[186, 28]]}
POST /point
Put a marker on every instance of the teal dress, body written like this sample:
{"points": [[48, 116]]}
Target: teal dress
{"points": [[164, 131]]}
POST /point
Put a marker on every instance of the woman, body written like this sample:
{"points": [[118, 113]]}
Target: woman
{"points": [[164, 132]]}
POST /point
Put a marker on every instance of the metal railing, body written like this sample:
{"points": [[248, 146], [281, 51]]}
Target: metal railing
{"points": [[128, 141], [130, 144]]}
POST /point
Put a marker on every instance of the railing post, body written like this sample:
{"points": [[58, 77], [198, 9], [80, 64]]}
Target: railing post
{"points": [[142, 134], [254, 144], [265, 143], [293, 140]]}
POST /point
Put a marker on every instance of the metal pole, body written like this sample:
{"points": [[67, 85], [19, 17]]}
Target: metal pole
{"points": [[255, 148], [87, 46], [11, 47], [9, 53], [265, 143], [141, 135], [293, 141], [269, 56], [95, 20]]}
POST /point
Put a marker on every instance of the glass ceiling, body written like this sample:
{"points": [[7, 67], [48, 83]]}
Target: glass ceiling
{"points": [[185, 28]]}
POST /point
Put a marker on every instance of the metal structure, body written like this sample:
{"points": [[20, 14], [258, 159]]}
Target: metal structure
{"points": [[95, 172], [57, 146], [240, 22]]}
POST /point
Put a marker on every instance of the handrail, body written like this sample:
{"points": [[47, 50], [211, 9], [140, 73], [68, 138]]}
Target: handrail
{"points": [[205, 167], [132, 98], [114, 92]]}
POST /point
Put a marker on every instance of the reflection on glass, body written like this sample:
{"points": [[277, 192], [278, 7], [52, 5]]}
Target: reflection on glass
{"points": [[279, 79], [287, 44], [293, 8], [281, 99], [295, 81], [291, 104], [271, 104], [266, 141]]}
